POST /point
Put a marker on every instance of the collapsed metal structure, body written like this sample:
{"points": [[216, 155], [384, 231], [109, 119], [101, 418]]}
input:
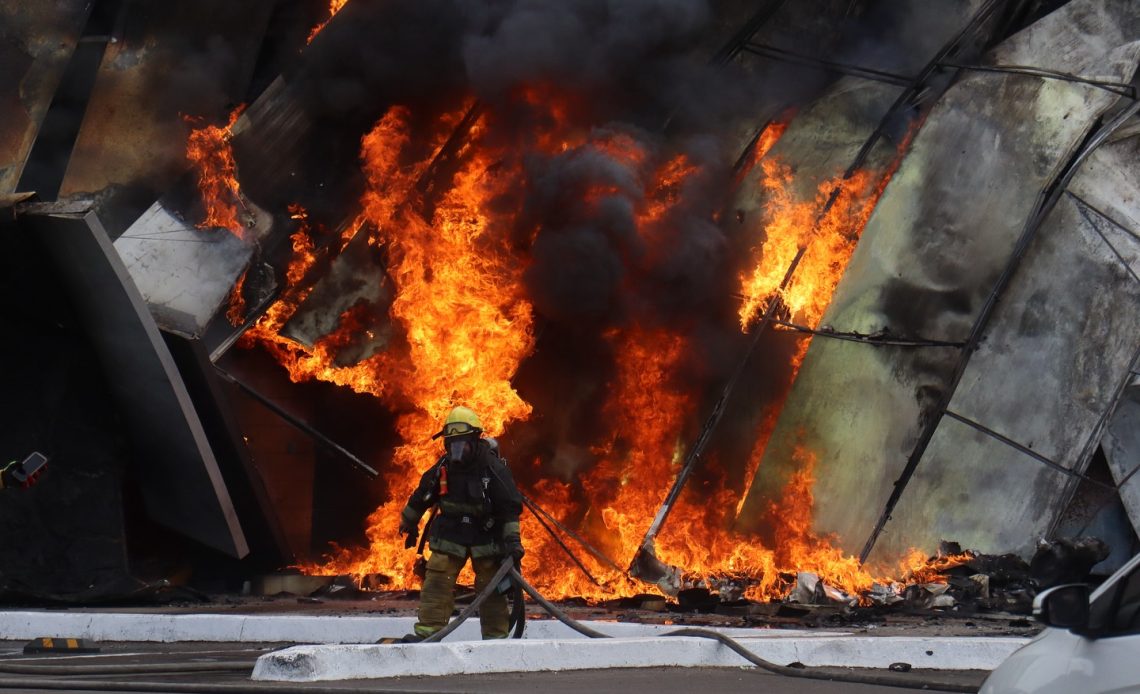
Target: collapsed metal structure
{"points": [[988, 324]]}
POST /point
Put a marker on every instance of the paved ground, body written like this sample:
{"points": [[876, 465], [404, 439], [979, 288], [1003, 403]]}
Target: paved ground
{"points": [[881, 622], [665, 681]]}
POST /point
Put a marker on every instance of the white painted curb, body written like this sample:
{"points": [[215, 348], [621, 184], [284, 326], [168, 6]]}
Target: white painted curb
{"points": [[323, 663], [322, 629]]}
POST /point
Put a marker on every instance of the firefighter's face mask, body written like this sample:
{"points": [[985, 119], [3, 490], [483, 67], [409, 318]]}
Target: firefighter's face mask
{"points": [[458, 440], [459, 447]]}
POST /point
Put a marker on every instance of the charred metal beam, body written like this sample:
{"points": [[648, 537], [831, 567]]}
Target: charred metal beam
{"points": [[253, 315], [1124, 89], [914, 88], [736, 42], [562, 544], [734, 45], [1097, 433], [920, 81], [877, 339], [597, 554], [977, 426], [1082, 209], [1047, 200], [1085, 204], [791, 57], [645, 564], [48, 159], [299, 424], [746, 153], [442, 165]]}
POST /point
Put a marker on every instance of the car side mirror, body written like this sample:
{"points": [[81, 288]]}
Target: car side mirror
{"points": [[1064, 607]]}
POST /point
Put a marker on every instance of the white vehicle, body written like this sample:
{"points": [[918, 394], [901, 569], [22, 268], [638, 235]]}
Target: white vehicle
{"points": [[1091, 643]]}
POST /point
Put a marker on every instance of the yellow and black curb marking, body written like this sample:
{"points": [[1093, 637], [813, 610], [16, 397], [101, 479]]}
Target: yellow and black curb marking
{"points": [[48, 644]]}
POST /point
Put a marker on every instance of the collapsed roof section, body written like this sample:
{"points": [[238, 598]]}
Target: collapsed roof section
{"points": [[984, 441]]}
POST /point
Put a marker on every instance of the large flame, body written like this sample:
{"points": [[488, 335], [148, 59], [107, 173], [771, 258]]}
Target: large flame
{"points": [[465, 324], [459, 302], [209, 152]]}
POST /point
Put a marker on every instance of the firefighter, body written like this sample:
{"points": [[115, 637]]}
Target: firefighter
{"points": [[479, 507]]}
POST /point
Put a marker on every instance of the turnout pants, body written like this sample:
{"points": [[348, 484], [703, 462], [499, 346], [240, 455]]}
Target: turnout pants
{"points": [[437, 598]]}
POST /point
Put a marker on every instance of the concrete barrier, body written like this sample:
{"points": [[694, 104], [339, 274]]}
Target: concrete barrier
{"points": [[323, 663]]}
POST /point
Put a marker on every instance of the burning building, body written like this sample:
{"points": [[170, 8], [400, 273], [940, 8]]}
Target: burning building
{"points": [[742, 289]]}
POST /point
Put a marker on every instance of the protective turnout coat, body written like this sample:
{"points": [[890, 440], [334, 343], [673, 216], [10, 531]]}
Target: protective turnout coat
{"points": [[479, 505]]}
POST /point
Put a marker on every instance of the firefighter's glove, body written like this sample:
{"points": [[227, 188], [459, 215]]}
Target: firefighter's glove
{"points": [[412, 533], [513, 546]]}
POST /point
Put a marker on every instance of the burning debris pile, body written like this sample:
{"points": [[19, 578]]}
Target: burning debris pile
{"points": [[948, 580], [966, 581], [952, 584]]}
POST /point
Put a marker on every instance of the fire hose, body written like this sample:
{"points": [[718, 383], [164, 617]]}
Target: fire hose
{"points": [[736, 647], [507, 568]]}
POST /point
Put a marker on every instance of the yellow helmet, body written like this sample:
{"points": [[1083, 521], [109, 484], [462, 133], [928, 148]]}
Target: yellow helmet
{"points": [[461, 420]]}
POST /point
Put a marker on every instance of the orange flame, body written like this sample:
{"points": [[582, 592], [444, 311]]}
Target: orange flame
{"points": [[235, 314], [210, 154], [334, 7], [768, 138], [828, 226], [916, 567]]}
